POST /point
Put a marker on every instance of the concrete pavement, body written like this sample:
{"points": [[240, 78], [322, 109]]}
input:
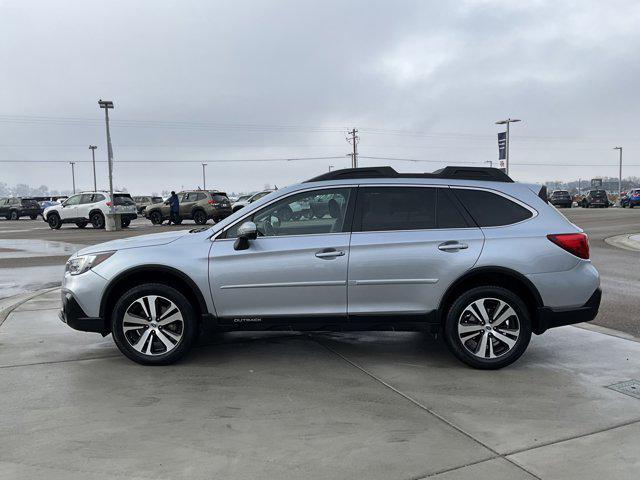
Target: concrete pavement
{"points": [[280, 405]]}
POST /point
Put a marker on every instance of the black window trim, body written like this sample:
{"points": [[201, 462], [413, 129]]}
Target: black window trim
{"points": [[534, 212]]}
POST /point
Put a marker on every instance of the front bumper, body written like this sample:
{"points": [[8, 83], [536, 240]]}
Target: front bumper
{"points": [[551, 317], [73, 315]]}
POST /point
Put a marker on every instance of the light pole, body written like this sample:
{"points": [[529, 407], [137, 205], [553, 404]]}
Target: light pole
{"points": [[93, 156], [108, 104], [490, 162], [73, 176], [330, 167], [619, 173], [204, 178], [507, 122]]}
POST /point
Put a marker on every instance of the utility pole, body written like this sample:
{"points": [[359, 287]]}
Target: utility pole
{"points": [[354, 141], [619, 174], [507, 122], [73, 176], [204, 179], [93, 155], [108, 104]]}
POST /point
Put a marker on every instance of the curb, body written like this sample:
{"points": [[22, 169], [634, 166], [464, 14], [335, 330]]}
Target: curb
{"points": [[627, 241], [12, 303]]}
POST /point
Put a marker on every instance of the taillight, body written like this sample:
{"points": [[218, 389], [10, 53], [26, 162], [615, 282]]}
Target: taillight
{"points": [[574, 243], [109, 204], [212, 202]]}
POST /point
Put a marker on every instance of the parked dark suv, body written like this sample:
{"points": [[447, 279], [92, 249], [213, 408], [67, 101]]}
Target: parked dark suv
{"points": [[595, 198], [561, 198], [13, 208]]}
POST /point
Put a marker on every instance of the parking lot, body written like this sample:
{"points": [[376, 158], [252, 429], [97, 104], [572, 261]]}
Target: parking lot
{"points": [[289, 405]]}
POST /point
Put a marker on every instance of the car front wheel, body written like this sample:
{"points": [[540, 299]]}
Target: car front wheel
{"points": [[155, 217], [14, 215], [154, 324], [488, 327], [54, 221]]}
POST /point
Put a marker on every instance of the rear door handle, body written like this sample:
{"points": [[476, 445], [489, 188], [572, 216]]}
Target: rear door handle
{"points": [[452, 246], [329, 253]]}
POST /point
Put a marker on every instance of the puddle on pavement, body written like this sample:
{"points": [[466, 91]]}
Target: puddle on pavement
{"points": [[15, 281], [35, 248]]}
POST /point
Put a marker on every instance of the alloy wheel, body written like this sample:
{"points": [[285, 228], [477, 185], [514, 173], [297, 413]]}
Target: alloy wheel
{"points": [[488, 328], [153, 325]]}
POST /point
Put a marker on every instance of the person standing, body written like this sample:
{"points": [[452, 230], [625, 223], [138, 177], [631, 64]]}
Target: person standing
{"points": [[174, 208]]}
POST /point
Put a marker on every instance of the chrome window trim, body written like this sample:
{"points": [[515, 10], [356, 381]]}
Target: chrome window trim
{"points": [[252, 212]]}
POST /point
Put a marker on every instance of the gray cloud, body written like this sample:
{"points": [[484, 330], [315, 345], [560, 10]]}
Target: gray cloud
{"points": [[260, 79]]}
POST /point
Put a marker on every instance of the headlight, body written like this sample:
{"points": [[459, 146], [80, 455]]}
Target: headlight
{"points": [[82, 263]]}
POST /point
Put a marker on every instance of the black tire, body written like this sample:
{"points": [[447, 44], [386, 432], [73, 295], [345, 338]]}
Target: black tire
{"points": [[97, 220], [156, 217], [81, 224], [33, 217], [188, 330], [14, 215], [200, 217], [178, 220], [125, 222], [462, 352], [53, 219]]}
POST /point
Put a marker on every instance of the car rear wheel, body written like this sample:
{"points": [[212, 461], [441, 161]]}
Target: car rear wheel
{"points": [[125, 223], [33, 217], [154, 324], [97, 220], [488, 327], [53, 219], [155, 217], [200, 217]]}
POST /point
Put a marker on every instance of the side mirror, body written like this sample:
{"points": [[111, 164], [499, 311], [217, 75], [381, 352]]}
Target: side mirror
{"points": [[247, 231]]}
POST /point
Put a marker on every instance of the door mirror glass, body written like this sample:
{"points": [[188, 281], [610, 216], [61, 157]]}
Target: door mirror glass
{"points": [[247, 231]]}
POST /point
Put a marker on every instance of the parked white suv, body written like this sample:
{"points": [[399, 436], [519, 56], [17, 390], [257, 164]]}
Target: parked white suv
{"points": [[90, 207], [247, 199]]}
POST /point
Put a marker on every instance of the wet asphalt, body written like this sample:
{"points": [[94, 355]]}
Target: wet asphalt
{"points": [[32, 256]]}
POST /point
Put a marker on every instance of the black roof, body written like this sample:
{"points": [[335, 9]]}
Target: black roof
{"points": [[461, 173]]}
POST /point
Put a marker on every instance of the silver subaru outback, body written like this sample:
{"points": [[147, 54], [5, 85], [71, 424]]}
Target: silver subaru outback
{"points": [[462, 251]]}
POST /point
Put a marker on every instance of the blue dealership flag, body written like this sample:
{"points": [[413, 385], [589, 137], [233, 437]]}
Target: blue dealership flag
{"points": [[502, 145]]}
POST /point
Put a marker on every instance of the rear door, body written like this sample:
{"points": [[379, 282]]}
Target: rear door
{"points": [[409, 243]]}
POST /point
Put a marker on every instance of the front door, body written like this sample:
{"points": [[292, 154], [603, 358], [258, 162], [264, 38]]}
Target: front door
{"points": [[294, 271], [187, 202], [408, 245], [69, 208]]}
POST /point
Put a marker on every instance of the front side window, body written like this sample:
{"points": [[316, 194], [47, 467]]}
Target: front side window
{"points": [[490, 209], [396, 208], [305, 213], [86, 198], [75, 200]]}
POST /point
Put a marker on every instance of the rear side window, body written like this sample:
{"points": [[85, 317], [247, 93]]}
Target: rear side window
{"points": [[448, 213], [199, 196], [491, 210], [396, 208], [123, 199]]}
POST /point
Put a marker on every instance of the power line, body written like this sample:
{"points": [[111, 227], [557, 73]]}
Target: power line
{"points": [[292, 159]]}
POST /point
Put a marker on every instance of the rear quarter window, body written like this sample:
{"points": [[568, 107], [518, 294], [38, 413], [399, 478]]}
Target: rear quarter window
{"points": [[490, 209]]}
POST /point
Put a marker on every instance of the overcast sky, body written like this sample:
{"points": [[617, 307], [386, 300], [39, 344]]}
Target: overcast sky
{"points": [[200, 81]]}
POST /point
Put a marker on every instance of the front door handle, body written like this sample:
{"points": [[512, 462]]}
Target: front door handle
{"points": [[329, 253], [452, 246]]}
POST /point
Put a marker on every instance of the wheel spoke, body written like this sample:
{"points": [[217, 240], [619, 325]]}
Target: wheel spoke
{"points": [[152, 306], [466, 329], [503, 315], [479, 307], [172, 335], [163, 338], [482, 346], [139, 345], [135, 319], [504, 339], [128, 329]]}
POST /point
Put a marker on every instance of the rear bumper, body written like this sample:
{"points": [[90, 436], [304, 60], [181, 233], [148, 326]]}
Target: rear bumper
{"points": [[73, 315], [552, 317]]}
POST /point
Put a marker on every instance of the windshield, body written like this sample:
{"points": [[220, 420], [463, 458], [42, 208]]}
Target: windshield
{"points": [[156, 199], [598, 193]]}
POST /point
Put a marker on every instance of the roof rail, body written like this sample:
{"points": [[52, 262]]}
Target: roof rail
{"points": [[462, 173]]}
